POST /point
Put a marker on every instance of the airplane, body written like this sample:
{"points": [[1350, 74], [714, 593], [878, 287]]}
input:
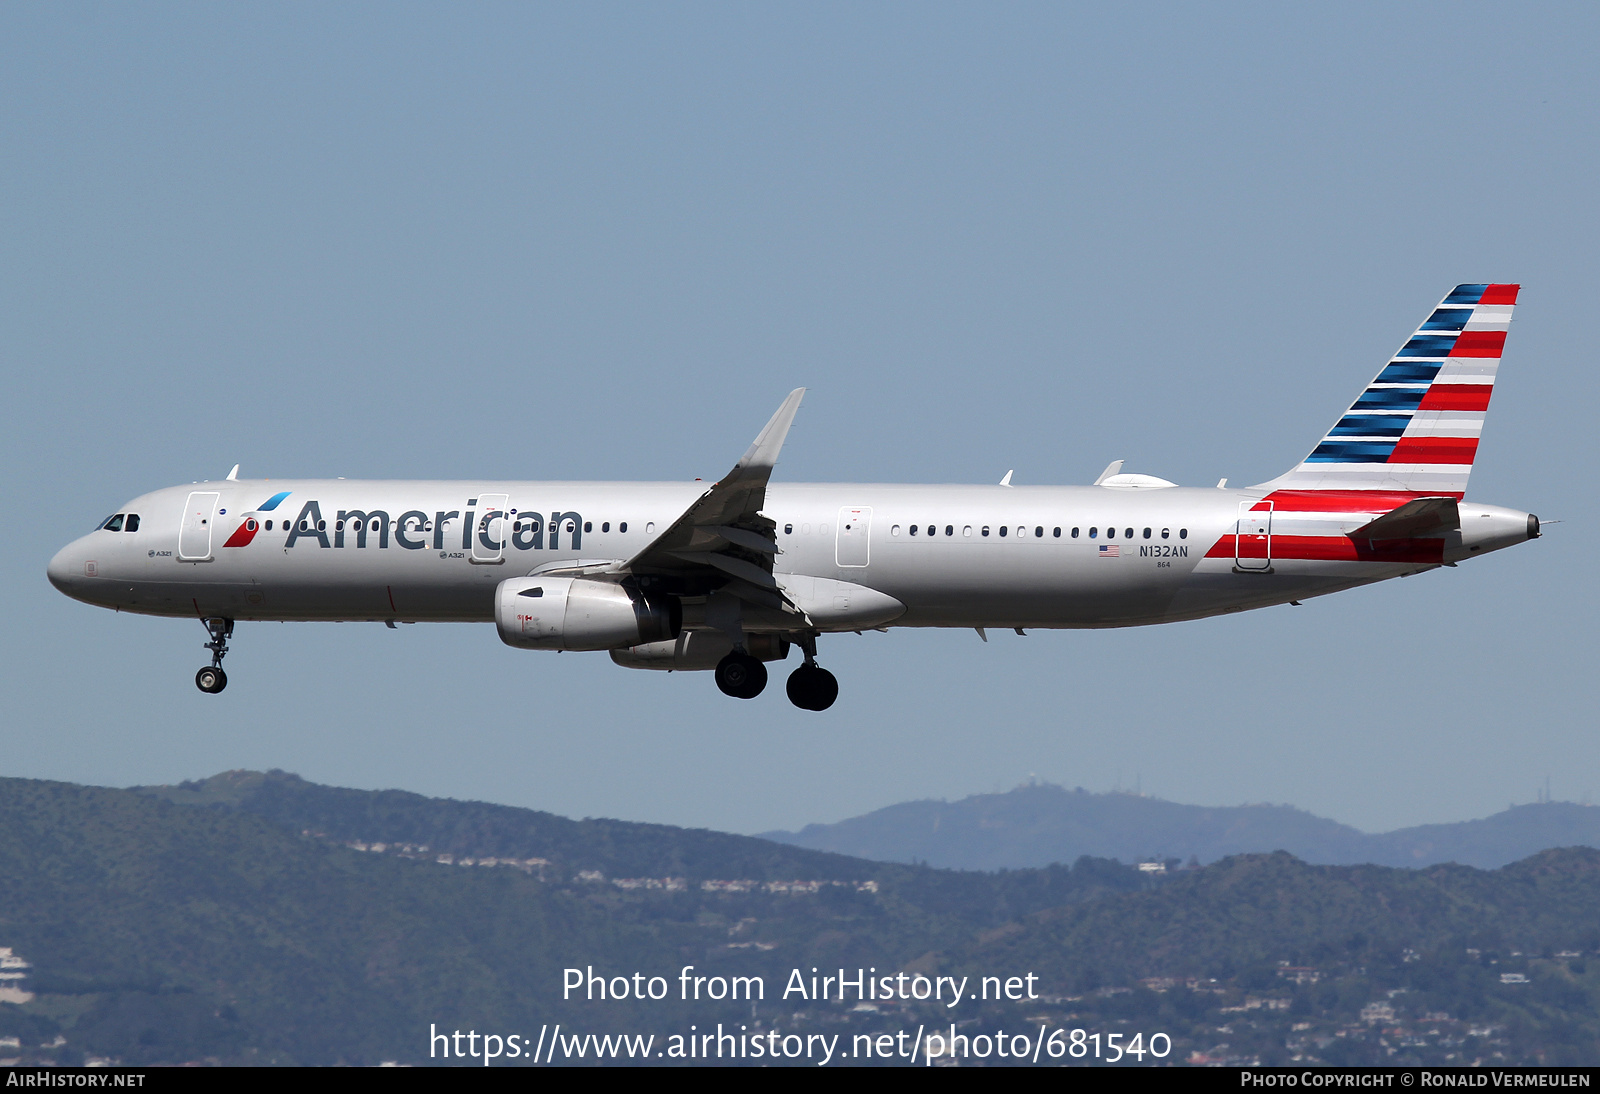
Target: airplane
{"points": [[730, 577]]}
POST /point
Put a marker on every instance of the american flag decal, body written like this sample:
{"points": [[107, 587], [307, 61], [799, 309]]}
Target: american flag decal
{"points": [[1110, 550]]}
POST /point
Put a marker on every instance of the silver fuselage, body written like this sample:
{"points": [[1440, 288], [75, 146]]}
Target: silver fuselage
{"points": [[1171, 555]]}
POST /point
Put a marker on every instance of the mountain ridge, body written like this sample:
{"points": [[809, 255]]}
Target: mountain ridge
{"points": [[1040, 823]]}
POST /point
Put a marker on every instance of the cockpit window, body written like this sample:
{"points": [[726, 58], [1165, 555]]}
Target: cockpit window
{"points": [[114, 524], [133, 523]]}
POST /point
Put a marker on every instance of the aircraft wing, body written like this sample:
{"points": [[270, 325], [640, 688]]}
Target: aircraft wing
{"points": [[1415, 518], [723, 535]]}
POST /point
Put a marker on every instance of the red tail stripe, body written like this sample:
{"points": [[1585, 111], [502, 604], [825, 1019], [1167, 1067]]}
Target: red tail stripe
{"points": [[1435, 450], [1500, 294], [1479, 343], [1335, 549], [1457, 397]]}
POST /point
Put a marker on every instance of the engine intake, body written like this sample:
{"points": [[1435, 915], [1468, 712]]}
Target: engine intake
{"points": [[571, 613]]}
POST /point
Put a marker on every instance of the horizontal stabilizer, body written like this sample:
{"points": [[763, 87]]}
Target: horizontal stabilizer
{"points": [[1421, 517]]}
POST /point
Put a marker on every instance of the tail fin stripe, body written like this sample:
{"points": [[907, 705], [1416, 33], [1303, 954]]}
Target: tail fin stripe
{"points": [[1434, 450], [1390, 398], [1479, 343], [1409, 372], [1370, 425], [1429, 345], [1457, 397], [1469, 294], [1448, 319]]}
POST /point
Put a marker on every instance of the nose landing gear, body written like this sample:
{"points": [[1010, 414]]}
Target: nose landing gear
{"points": [[212, 679]]}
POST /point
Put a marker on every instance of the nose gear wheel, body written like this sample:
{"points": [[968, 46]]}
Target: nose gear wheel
{"points": [[212, 679]]}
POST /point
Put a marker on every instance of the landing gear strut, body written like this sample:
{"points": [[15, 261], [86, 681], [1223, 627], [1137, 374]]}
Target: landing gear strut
{"points": [[212, 679], [812, 687], [741, 675]]}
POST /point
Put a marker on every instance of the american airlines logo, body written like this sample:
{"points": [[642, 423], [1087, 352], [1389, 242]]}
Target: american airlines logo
{"points": [[415, 530]]}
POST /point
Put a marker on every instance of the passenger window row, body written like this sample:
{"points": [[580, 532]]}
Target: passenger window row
{"points": [[1022, 531]]}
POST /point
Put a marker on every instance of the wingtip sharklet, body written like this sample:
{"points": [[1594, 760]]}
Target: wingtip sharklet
{"points": [[763, 451]]}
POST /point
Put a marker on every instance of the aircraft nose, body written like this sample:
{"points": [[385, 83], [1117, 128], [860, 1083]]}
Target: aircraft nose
{"points": [[66, 569]]}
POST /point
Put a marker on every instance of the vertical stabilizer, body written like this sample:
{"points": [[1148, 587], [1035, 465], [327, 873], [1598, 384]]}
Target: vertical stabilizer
{"points": [[1415, 428]]}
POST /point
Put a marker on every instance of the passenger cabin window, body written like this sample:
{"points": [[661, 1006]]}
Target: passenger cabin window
{"points": [[1074, 533], [1147, 533], [133, 523], [1166, 533], [623, 527], [949, 529], [1128, 534], [1038, 533], [966, 529], [588, 526], [985, 529], [1183, 533], [897, 529], [113, 524], [606, 526], [1002, 530], [788, 529], [1093, 532]]}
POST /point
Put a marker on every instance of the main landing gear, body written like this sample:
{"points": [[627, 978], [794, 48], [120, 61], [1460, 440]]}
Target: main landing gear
{"points": [[810, 687], [212, 679], [741, 675]]}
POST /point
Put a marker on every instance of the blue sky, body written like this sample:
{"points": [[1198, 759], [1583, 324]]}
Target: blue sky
{"points": [[517, 241]]}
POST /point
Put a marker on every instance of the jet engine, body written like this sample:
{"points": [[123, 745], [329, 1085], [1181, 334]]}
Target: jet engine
{"points": [[698, 650], [574, 613]]}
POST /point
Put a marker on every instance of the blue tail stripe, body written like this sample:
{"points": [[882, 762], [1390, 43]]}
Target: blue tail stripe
{"points": [[1448, 319], [1352, 452], [1389, 399], [1409, 372], [1466, 294], [1428, 345], [1371, 425]]}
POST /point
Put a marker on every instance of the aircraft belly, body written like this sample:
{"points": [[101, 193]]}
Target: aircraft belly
{"points": [[1025, 584]]}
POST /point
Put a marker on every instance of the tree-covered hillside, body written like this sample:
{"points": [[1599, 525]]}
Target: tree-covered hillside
{"points": [[263, 918]]}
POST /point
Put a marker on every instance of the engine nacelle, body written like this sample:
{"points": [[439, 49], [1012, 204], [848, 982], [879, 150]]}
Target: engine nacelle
{"points": [[574, 613], [694, 651]]}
